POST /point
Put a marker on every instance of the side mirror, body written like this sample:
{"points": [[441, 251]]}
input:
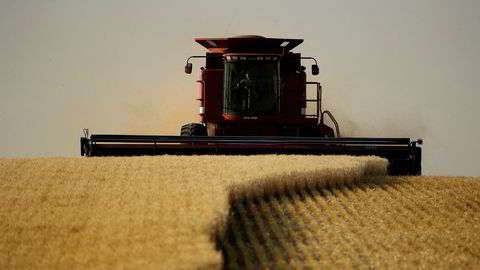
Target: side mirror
{"points": [[315, 70], [188, 68]]}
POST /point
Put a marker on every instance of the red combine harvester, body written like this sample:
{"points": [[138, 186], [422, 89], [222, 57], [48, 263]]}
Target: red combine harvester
{"points": [[254, 98]]}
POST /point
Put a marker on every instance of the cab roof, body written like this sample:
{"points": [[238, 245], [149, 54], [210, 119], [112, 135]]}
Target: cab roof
{"points": [[249, 43]]}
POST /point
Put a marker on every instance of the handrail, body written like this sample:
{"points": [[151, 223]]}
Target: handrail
{"points": [[337, 129], [320, 113], [318, 100]]}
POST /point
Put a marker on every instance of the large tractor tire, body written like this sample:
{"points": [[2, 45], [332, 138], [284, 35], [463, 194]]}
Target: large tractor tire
{"points": [[193, 129]]}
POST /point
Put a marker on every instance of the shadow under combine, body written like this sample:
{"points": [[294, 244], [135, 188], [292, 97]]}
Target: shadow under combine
{"points": [[272, 230]]}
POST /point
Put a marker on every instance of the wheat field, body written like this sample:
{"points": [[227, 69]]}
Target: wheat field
{"points": [[233, 212], [165, 212]]}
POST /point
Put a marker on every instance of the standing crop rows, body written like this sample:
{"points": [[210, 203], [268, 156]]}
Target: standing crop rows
{"points": [[399, 222]]}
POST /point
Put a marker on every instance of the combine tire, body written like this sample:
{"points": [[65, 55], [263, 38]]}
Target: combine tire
{"points": [[193, 129]]}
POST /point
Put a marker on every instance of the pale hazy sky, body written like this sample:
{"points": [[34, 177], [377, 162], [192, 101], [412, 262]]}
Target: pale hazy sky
{"points": [[389, 68]]}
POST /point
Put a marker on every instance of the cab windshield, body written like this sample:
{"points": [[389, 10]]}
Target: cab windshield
{"points": [[251, 87]]}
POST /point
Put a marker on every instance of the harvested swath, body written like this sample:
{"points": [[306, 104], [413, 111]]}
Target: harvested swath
{"points": [[380, 222], [143, 212]]}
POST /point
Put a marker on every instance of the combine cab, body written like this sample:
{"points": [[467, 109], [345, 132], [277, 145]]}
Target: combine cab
{"points": [[254, 98]]}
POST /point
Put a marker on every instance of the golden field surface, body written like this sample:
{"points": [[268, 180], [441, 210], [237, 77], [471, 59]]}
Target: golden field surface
{"points": [[141, 212], [204, 212]]}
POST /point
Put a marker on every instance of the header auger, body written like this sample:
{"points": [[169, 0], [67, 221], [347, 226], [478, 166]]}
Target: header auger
{"points": [[254, 98]]}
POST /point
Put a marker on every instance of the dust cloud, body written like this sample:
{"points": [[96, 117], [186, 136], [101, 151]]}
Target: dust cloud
{"points": [[162, 116]]}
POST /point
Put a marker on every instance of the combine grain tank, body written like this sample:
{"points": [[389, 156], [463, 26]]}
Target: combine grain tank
{"points": [[254, 98]]}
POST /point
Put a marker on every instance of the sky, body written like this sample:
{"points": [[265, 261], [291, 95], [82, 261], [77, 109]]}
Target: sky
{"points": [[405, 68]]}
